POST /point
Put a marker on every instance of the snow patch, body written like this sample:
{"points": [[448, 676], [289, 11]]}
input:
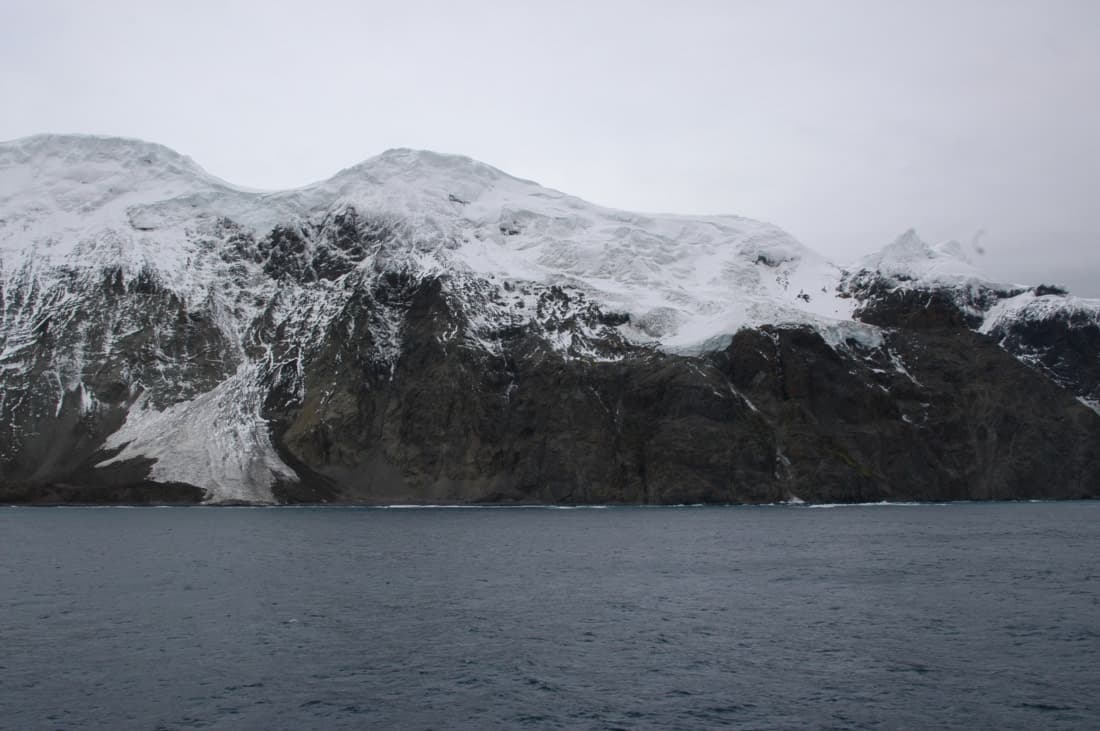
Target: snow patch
{"points": [[1093, 404], [1030, 307], [217, 441]]}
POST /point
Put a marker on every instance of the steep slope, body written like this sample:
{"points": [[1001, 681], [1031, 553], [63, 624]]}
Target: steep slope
{"points": [[423, 327], [910, 283]]}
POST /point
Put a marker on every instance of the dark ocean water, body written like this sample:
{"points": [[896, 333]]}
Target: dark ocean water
{"points": [[963, 616]]}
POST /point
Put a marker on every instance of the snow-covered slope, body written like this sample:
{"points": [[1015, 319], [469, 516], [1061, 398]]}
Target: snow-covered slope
{"points": [[1057, 334], [110, 247], [908, 258], [684, 281], [1029, 306], [910, 264], [1043, 326]]}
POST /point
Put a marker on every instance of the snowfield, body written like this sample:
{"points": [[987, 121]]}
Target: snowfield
{"points": [[686, 282]]}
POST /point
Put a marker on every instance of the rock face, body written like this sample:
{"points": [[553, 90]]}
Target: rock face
{"points": [[425, 329]]}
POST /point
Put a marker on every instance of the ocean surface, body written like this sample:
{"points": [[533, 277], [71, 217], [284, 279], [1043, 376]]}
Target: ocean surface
{"points": [[975, 616]]}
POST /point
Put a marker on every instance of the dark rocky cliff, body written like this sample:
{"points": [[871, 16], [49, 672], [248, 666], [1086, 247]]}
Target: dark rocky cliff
{"points": [[938, 412], [778, 414]]}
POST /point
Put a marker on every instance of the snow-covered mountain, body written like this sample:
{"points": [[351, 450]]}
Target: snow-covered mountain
{"points": [[426, 327]]}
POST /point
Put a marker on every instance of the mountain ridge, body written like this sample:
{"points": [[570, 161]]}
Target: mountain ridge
{"points": [[170, 333]]}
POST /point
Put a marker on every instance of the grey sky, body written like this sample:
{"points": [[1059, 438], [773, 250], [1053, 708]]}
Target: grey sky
{"points": [[843, 122]]}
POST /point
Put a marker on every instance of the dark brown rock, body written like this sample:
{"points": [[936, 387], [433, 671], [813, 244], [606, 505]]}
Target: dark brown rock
{"points": [[779, 413]]}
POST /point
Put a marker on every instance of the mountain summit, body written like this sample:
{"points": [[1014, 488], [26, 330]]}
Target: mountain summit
{"points": [[423, 327]]}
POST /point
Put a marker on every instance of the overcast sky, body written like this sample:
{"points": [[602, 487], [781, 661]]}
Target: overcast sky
{"points": [[843, 122]]}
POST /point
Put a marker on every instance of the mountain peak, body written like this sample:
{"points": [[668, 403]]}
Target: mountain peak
{"points": [[909, 245], [425, 166], [909, 257], [78, 149], [48, 174]]}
